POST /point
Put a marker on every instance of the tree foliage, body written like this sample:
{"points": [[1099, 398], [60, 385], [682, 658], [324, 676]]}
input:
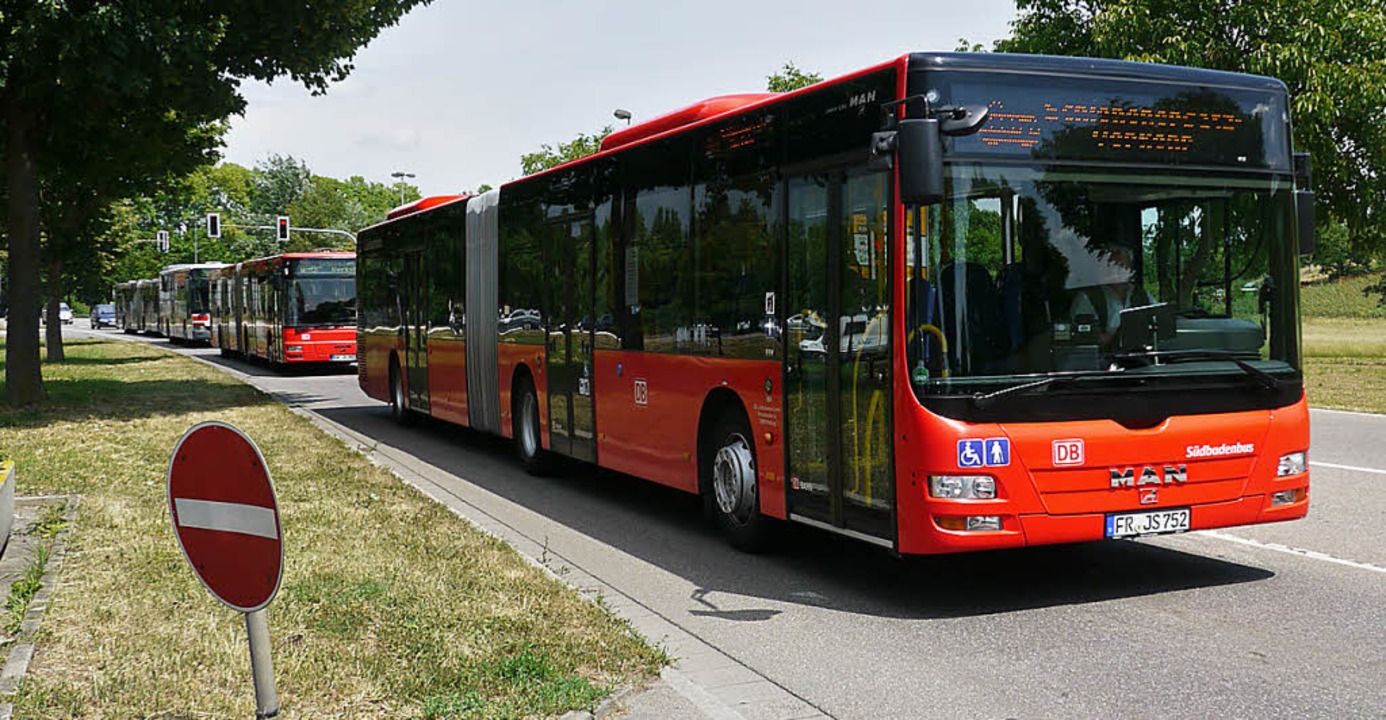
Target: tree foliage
{"points": [[1330, 53], [548, 156], [790, 78], [69, 67]]}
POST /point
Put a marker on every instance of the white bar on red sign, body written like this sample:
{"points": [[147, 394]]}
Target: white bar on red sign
{"points": [[226, 517]]}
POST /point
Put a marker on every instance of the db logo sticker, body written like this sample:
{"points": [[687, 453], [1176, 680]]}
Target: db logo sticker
{"points": [[642, 393], [1068, 452]]}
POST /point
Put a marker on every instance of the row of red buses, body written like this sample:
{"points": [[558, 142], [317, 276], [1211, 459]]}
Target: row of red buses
{"points": [[287, 309], [950, 302]]}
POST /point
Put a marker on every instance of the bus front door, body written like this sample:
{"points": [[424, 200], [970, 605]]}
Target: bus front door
{"points": [[414, 325], [837, 369], [569, 323]]}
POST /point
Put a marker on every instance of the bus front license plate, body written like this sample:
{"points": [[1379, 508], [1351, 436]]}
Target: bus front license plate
{"points": [[344, 358], [1148, 523]]}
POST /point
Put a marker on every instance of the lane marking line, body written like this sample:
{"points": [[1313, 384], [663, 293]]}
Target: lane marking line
{"points": [[1348, 412], [1354, 468], [226, 517], [1277, 547]]}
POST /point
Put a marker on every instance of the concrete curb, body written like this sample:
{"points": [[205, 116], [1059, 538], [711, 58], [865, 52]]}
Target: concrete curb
{"points": [[22, 653]]}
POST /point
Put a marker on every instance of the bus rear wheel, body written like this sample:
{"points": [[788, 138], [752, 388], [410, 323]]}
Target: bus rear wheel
{"points": [[399, 410], [525, 424], [730, 484]]}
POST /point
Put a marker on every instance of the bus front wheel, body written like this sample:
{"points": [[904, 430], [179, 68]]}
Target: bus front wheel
{"points": [[730, 486]]}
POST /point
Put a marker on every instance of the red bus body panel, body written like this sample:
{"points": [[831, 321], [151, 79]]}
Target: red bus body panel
{"points": [[658, 439], [373, 362], [447, 380], [1042, 503], [320, 344]]}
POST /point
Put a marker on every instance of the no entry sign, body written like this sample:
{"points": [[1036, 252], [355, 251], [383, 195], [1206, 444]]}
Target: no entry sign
{"points": [[224, 513]]}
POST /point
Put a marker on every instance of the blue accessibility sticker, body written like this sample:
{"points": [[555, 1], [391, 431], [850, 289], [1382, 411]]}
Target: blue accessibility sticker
{"points": [[991, 452], [998, 452], [970, 453]]}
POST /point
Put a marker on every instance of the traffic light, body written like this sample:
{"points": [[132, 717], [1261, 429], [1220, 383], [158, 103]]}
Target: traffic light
{"points": [[281, 227], [162, 237], [213, 225]]}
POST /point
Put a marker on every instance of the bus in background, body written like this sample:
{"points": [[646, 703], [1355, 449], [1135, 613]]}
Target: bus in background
{"points": [[951, 302], [295, 308], [184, 302], [142, 314], [124, 294], [226, 305]]}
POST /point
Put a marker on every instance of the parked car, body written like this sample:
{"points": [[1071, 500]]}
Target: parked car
{"points": [[103, 316]]}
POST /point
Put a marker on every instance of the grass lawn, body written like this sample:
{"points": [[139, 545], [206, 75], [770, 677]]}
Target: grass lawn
{"points": [[1345, 363], [390, 605]]}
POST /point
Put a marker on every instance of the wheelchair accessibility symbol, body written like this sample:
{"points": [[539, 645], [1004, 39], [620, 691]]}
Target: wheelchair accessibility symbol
{"points": [[977, 452]]}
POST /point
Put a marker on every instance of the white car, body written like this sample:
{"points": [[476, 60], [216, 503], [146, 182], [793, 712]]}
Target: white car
{"points": [[65, 314]]}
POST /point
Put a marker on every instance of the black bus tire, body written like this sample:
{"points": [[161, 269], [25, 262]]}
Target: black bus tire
{"points": [[399, 409], [524, 420], [729, 481]]}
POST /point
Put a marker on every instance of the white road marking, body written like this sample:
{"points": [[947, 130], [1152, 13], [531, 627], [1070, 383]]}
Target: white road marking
{"points": [[1354, 468], [1301, 552], [1346, 412], [226, 517]]}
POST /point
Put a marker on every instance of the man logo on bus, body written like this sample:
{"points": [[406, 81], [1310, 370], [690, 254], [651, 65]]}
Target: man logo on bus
{"points": [[642, 393], [1167, 475]]}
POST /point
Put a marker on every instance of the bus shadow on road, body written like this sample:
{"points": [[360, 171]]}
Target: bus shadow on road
{"points": [[665, 527]]}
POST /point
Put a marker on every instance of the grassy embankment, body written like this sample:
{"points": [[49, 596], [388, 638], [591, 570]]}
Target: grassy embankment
{"points": [[390, 605], [1345, 345]]}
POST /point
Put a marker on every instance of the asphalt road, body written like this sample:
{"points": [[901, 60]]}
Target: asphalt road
{"points": [[1284, 620]]}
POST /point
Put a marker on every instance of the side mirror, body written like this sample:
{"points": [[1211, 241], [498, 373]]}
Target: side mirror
{"points": [[919, 149], [1304, 215]]}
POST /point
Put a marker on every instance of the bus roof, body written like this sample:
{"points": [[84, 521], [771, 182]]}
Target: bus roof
{"points": [[1090, 67], [421, 204]]}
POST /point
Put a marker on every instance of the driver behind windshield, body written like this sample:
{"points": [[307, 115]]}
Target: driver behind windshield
{"points": [[1100, 306]]}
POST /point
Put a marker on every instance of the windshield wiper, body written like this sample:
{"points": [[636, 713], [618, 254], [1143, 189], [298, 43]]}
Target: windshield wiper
{"points": [[982, 400], [1262, 378]]}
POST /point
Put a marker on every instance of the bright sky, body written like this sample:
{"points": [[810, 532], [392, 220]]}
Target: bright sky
{"points": [[459, 90]]}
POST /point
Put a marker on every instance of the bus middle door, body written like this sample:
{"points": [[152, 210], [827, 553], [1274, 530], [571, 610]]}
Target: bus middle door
{"points": [[414, 288], [569, 324]]}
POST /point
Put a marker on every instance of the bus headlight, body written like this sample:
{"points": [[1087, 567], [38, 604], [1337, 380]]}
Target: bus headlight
{"points": [[962, 487], [293, 348], [1292, 464]]}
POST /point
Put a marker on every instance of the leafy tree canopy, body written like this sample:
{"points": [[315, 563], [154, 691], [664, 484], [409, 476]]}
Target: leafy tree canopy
{"points": [[1330, 53], [548, 156], [790, 78]]}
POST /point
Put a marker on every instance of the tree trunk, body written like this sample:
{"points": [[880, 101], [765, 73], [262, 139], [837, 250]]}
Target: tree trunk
{"points": [[54, 335], [23, 373]]}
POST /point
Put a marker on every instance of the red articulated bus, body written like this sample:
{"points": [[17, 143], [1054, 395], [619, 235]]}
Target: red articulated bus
{"points": [[950, 302], [295, 308]]}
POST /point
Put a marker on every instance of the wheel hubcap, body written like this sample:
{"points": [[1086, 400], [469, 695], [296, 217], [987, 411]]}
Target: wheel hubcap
{"points": [[734, 479], [529, 440]]}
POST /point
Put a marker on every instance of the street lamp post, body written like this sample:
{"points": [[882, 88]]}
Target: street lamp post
{"points": [[622, 114], [399, 177]]}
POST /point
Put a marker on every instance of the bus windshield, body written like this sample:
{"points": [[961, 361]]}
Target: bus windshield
{"points": [[199, 295], [1028, 271], [322, 301]]}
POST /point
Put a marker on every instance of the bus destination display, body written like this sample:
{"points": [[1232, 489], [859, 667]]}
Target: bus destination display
{"points": [[326, 266], [1192, 126]]}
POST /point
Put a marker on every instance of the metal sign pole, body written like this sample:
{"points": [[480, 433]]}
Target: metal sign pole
{"points": [[261, 667]]}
